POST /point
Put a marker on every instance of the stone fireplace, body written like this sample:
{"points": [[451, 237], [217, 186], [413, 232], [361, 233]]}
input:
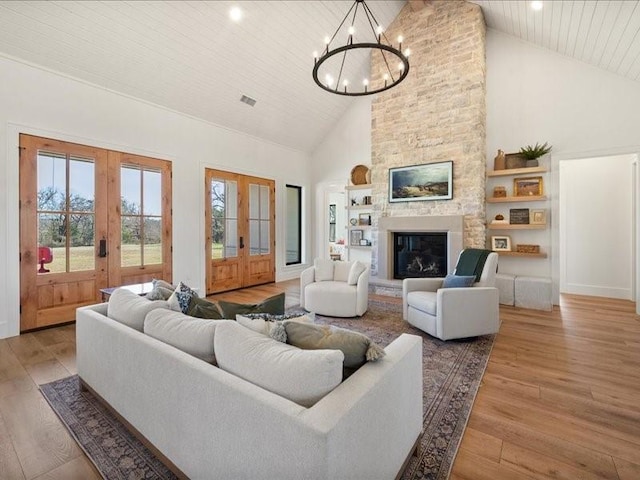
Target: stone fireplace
{"points": [[437, 114]]}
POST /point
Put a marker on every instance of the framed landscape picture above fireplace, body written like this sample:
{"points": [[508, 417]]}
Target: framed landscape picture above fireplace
{"points": [[431, 181]]}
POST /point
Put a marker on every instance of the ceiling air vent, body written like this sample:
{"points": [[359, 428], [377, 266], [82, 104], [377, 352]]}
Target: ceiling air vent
{"points": [[248, 100]]}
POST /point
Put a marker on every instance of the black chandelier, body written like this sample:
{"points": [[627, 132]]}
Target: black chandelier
{"points": [[392, 75]]}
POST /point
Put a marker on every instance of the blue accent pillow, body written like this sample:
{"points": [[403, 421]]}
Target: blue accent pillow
{"points": [[458, 281]]}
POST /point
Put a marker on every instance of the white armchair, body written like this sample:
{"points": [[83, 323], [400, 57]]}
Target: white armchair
{"points": [[448, 313], [335, 288]]}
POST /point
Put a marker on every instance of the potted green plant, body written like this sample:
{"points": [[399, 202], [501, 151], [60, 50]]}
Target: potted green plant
{"points": [[533, 153]]}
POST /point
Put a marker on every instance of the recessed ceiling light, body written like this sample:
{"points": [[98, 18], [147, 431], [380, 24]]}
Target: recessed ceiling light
{"points": [[536, 5], [235, 14]]}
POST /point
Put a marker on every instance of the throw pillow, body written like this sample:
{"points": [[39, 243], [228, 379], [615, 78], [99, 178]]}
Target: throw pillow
{"points": [[302, 376], [201, 308], [273, 305], [341, 270], [458, 281], [265, 322], [130, 309], [161, 283], [356, 270], [181, 297], [356, 347], [323, 269], [159, 293]]}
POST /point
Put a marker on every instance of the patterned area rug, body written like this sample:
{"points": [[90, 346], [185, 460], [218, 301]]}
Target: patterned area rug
{"points": [[115, 452], [452, 373]]}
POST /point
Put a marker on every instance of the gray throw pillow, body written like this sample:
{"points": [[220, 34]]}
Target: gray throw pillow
{"points": [[458, 281], [159, 293], [356, 347], [201, 308]]}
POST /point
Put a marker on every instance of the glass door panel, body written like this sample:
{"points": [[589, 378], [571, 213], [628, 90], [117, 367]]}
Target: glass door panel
{"points": [[224, 218]]}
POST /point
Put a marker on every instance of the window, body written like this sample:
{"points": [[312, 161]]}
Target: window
{"points": [[224, 218], [294, 225], [141, 216], [66, 215]]}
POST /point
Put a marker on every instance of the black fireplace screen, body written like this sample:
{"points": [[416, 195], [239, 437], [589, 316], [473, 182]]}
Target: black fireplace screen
{"points": [[419, 254]]}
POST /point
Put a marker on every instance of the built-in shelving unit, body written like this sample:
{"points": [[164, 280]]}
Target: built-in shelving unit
{"points": [[359, 210], [496, 228]]}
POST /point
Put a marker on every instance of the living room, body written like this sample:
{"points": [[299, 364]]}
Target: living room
{"points": [[532, 94]]}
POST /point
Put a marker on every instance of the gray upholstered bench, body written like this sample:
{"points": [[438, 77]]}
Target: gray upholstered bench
{"points": [[533, 292], [505, 283]]}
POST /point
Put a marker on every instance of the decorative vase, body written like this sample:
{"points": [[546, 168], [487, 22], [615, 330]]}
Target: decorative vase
{"points": [[499, 162]]}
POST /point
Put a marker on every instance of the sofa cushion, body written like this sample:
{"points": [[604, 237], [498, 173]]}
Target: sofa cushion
{"points": [[191, 335], [355, 271], [458, 281], [423, 301], [356, 347], [273, 305], [323, 269], [201, 308], [341, 271], [302, 376], [130, 309]]}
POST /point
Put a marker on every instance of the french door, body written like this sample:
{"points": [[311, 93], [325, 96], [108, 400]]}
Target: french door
{"points": [[89, 219], [240, 226]]}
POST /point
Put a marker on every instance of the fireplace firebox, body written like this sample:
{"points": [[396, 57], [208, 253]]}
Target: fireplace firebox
{"points": [[419, 254]]}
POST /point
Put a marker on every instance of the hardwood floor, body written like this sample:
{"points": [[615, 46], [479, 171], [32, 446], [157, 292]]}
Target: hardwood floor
{"points": [[560, 398]]}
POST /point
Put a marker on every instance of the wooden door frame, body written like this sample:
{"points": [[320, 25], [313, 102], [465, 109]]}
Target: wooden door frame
{"points": [[242, 263]]}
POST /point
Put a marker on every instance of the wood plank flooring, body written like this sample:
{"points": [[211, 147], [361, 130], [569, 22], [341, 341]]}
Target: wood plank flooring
{"points": [[560, 398]]}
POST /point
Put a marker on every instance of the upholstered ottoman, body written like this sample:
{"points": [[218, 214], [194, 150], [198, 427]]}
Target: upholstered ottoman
{"points": [[533, 292], [505, 283]]}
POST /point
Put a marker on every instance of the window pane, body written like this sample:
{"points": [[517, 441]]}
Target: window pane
{"points": [[52, 181], [130, 190], [254, 201], [293, 235], [254, 237], [231, 239], [131, 253], [231, 197], [264, 237], [81, 248], [264, 202], [152, 187], [51, 233], [217, 237], [152, 240], [81, 185]]}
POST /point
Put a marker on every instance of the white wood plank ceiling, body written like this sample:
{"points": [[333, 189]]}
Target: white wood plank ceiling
{"points": [[603, 33], [189, 56]]}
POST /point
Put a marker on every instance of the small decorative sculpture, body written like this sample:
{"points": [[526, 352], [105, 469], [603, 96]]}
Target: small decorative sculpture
{"points": [[499, 163]]}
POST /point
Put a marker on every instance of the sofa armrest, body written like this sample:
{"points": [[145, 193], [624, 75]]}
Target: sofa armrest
{"points": [[307, 277], [418, 284], [467, 312], [379, 408]]}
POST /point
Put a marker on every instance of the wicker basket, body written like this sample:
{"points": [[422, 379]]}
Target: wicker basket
{"points": [[524, 248]]}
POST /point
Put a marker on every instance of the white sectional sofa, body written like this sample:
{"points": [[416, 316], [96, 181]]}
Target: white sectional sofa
{"points": [[213, 424]]}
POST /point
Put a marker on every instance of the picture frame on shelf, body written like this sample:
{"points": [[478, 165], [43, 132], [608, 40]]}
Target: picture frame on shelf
{"points": [[519, 216], [538, 216], [430, 181], [501, 243], [527, 186], [355, 236], [364, 219]]}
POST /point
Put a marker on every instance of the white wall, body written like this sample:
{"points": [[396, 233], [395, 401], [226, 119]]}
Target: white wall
{"points": [[596, 243], [348, 144], [39, 102], [534, 95]]}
